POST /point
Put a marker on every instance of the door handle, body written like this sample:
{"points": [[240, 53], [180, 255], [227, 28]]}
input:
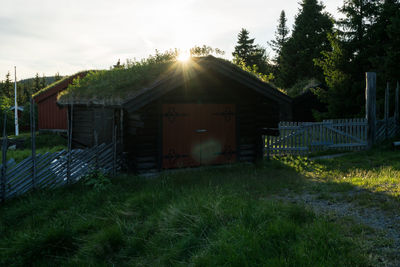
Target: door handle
{"points": [[201, 130]]}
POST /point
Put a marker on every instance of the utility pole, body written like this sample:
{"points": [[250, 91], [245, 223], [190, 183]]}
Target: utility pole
{"points": [[16, 102]]}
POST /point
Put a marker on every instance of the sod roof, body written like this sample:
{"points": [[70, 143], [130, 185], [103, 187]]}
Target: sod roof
{"points": [[56, 86], [111, 87], [118, 86]]}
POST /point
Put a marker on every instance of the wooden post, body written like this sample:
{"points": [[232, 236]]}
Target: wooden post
{"points": [[370, 107], [33, 143], [396, 107], [387, 112], [70, 121], [96, 148], [268, 152], [114, 139], [121, 122], [4, 155]]}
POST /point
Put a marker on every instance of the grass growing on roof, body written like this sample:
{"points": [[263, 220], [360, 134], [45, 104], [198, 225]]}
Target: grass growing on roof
{"points": [[52, 85], [114, 85]]}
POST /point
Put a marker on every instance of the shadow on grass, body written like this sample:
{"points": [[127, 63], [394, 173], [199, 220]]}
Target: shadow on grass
{"points": [[212, 216]]}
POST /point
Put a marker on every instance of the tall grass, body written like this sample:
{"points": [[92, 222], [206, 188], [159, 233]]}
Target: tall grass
{"points": [[209, 217]]}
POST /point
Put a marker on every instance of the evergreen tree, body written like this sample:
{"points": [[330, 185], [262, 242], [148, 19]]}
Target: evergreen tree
{"points": [[281, 35], [384, 39], [244, 50], [43, 82], [343, 95], [7, 88], [36, 86], [249, 55], [57, 76], [369, 38], [309, 38]]}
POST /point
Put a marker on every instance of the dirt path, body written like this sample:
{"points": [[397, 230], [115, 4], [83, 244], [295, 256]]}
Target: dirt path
{"points": [[386, 224]]}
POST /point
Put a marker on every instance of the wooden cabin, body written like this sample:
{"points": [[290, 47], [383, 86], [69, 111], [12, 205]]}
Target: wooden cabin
{"points": [[52, 117], [205, 112]]}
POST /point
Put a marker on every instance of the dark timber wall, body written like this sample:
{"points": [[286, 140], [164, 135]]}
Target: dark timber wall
{"points": [[143, 127], [88, 119]]}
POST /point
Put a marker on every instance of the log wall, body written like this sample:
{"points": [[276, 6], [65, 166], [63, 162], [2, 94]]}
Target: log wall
{"points": [[144, 126]]}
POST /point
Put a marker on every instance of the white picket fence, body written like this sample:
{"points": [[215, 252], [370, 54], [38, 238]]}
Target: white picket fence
{"points": [[301, 138]]}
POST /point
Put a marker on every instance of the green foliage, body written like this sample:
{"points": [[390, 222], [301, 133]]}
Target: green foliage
{"points": [[308, 39], [343, 97], [57, 76], [281, 36], [37, 84], [367, 40], [97, 180], [55, 83], [245, 48], [251, 56], [254, 70], [205, 50], [7, 89]]}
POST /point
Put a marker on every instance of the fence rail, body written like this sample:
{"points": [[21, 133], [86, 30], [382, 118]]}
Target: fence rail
{"points": [[301, 138], [54, 170], [386, 129]]}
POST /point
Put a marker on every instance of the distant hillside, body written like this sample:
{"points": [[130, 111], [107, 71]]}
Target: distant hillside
{"points": [[49, 80]]}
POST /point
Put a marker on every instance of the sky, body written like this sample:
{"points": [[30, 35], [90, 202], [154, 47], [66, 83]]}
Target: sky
{"points": [[49, 36]]}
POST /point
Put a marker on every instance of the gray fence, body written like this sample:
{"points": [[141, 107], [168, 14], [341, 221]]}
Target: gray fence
{"points": [[301, 138], [386, 128], [55, 169]]}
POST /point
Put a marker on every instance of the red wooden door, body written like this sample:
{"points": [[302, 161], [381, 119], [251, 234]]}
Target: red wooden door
{"points": [[198, 134]]}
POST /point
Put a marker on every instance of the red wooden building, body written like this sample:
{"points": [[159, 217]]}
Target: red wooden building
{"points": [[52, 117]]}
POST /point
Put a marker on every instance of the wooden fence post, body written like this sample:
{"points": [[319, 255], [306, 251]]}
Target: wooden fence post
{"points": [[396, 108], [114, 140], [370, 107], [70, 121], [33, 143], [387, 111], [121, 122], [96, 144], [4, 155]]}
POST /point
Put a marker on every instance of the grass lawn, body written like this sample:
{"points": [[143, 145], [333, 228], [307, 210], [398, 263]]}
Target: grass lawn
{"points": [[209, 217], [45, 142]]}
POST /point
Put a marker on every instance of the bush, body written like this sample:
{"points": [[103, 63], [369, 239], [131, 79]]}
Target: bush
{"points": [[97, 180]]}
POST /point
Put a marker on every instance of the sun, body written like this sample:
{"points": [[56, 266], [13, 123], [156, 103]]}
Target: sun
{"points": [[183, 56]]}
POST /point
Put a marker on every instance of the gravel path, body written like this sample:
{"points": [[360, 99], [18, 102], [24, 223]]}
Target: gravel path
{"points": [[388, 224]]}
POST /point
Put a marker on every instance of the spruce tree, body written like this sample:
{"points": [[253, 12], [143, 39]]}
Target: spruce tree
{"points": [[309, 38], [249, 55], [7, 88], [43, 82], [368, 38], [281, 35], [57, 76], [383, 51], [244, 49], [36, 84]]}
